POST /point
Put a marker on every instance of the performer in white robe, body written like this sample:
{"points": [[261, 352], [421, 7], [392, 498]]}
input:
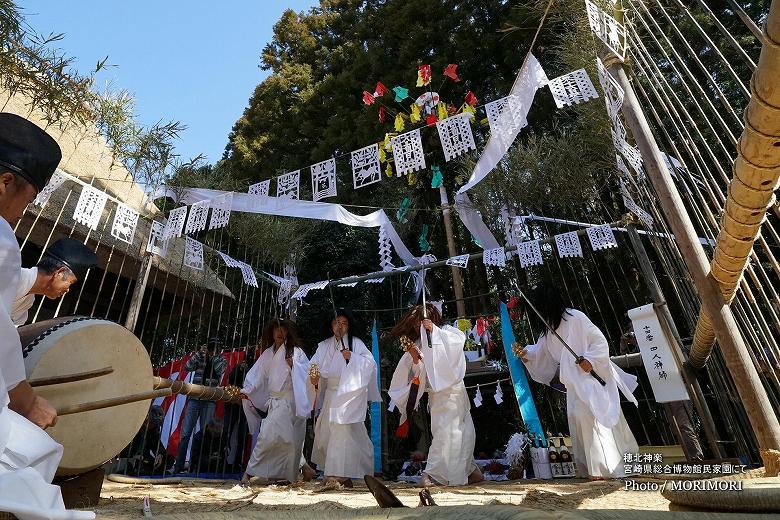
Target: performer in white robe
{"points": [[278, 388], [347, 381], [439, 368], [599, 432], [28, 456]]}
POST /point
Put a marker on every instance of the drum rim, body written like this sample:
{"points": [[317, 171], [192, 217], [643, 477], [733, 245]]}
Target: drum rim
{"points": [[26, 349]]}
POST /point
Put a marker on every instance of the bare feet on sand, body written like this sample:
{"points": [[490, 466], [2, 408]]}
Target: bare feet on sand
{"points": [[476, 476], [307, 473]]}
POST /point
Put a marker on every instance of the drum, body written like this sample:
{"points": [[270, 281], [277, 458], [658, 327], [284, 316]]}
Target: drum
{"points": [[74, 345]]}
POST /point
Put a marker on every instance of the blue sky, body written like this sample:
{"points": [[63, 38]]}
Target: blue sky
{"points": [[189, 61]]}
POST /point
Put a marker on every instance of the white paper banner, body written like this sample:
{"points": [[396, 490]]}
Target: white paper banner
{"points": [[55, 182], [601, 237], [455, 135], [461, 261], [366, 168], [90, 207], [568, 245], [529, 253], [261, 188], [572, 88], [408, 152], [248, 273], [125, 222], [304, 289], [193, 253], [220, 210], [287, 185], [175, 225], [198, 217], [156, 244], [323, 179]]}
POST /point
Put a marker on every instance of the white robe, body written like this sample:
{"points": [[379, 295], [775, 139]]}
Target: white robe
{"points": [[24, 300], [342, 447], [28, 456], [599, 432], [277, 454], [441, 371]]}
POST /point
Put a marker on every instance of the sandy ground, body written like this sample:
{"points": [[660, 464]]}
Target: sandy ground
{"points": [[197, 496]]}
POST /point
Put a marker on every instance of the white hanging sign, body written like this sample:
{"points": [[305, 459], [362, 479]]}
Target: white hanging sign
{"points": [[607, 29], [385, 250], [496, 257], [125, 222], [229, 261], [408, 152], [323, 179], [90, 207], [193, 254], [662, 370], [55, 182], [455, 135], [461, 261], [572, 88], [156, 244], [284, 291], [366, 168], [248, 273], [220, 210], [175, 225], [287, 185], [499, 395], [529, 253], [613, 92], [304, 289], [601, 237], [196, 220], [261, 188], [568, 245], [477, 398]]}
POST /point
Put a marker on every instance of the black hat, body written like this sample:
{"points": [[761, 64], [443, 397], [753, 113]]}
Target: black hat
{"points": [[75, 255], [27, 150]]}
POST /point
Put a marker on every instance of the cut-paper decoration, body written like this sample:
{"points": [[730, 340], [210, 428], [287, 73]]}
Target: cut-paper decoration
{"points": [[423, 240], [470, 99], [220, 210], [385, 250], [368, 98], [493, 110], [375, 280], [634, 208], [303, 290], [408, 152], [175, 225], [125, 222], [156, 244], [365, 166], [248, 274], [284, 291], [287, 185], [529, 253], [55, 182], [456, 136], [478, 398], [323, 179], [350, 284], [427, 258], [499, 395], [198, 217], [90, 207], [613, 92], [461, 261], [261, 188], [451, 71], [568, 245], [572, 88], [399, 123], [601, 237], [382, 113], [496, 257], [401, 93], [229, 261], [402, 210], [437, 178], [193, 253], [380, 90], [607, 29], [424, 75]]}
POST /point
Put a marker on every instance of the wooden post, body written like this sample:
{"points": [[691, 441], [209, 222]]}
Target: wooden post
{"points": [[138, 292], [457, 282], [752, 393]]}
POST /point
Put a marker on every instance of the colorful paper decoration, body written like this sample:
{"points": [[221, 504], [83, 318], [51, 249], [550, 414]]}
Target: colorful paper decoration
{"points": [[175, 225], [323, 179], [424, 75], [248, 274], [220, 210], [287, 185], [401, 213], [415, 116], [431, 119], [90, 207], [478, 398], [261, 189], [411, 179], [196, 220], [495, 257], [125, 222], [572, 88], [401, 93], [461, 261], [382, 113], [408, 152], [441, 111], [471, 99], [365, 166], [193, 254], [156, 244], [399, 124], [427, 101], [303, 290], [568, 245], [389, 170], [368, 98], [601, 237], [55, 182], [437, 179], [529, 253], [451, 71], [423, 240], [456, 136], [380, 89], [607, 29], [385, 250]]}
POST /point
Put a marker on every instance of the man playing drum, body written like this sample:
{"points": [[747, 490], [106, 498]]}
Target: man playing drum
{"points": [[28, 456]]}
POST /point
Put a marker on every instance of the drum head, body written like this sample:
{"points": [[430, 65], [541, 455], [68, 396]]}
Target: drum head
{"points": [[73, 345]]}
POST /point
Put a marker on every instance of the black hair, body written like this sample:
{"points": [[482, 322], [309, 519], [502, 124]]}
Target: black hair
{"points": [[49, 264], [213, 344], [346, 313], [552, 306]]}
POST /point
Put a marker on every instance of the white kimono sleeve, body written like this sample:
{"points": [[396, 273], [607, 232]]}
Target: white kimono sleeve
{"points": [[254, 386], [24, 300], [401, 383], [445, 362], [540, 364], [351, 399], [300, 376], [318, 393]]}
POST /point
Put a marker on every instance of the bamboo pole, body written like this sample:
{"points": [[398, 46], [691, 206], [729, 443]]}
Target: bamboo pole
{"points": [[70, 378], [114, 401], [208, 393]]}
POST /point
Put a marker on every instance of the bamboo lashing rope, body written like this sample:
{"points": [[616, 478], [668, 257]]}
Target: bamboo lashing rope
{"points": [[208, 393]]}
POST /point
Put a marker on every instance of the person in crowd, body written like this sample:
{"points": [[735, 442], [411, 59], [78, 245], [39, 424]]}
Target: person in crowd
{"points": [[145, 453], [235, 428], [207, 454]]}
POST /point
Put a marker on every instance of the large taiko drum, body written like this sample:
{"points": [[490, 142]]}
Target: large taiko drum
{"points": [[74, 345]]}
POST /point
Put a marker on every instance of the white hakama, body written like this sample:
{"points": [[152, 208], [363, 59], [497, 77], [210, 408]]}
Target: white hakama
{"points": [[277, 454], [440, 372], [599, 432], [342, 447]]}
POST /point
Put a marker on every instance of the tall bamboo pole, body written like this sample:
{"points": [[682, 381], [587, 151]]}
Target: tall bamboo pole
{"points": [[457, 282]]}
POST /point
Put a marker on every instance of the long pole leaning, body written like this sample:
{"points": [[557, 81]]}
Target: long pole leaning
{"points": [[752, 393]]}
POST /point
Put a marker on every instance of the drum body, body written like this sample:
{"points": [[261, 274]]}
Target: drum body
{"points": [[73, 345]]}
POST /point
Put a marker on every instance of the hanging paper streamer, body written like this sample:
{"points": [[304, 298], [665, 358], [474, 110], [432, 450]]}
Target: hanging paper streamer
{"points": [[572, 88], [323, 179], [193, 254], [284, 291], [125, 222], [493, 110], [55, 182], [529, 253], [470, 99], [156, 245], [601, 237], [613, 92], [385, 250], [499, 395], [303, 290], [220, 210], [401, 93], [382, 112], [415, 116], [175, 225], [261, 188], [451, 71], [461, 261], [376, 407], [455, 136], [196, 220], [437, 178], [568, 245], [368, 98], [412, 179], [90, 207], [248, 274], [441, 111], [495, 257], [478, 398], [287, 185], [399, 124], [229, 261], [424, 245], [408, 152], [389, 170], [380, 89], [374, 280], [350, 284], [365, 166], [470, 110], [431, 119], [607, 29], [634, 208], [424, 75]]}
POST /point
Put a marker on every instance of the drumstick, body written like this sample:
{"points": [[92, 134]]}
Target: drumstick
{"points": [[208, 393], [114, 401], [70, 378]]}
